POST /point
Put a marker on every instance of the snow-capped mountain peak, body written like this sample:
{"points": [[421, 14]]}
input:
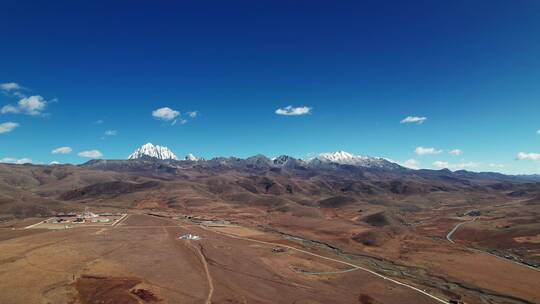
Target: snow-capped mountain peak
{"points": [[191, 157], [340, 157], [345, 158], [155, 151]]}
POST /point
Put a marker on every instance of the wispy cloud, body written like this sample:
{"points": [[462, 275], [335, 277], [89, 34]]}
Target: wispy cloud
{"points": [[293, 111], [441, 164], [456, 152], [538, 131], [98, 122], [411, 164], [426, 151], [111, 133], [7, 127], [91, 154], [12, 89], [466, 165], [165, 114], [173, 116], [528, 156], [413, 119], [62, 150], [10, 86], [459, 166], [12, 160], [180, 121]]}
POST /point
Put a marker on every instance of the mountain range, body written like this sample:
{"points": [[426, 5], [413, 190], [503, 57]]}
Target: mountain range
{"points": [[157, 152], [336, 162], [154, 173]]}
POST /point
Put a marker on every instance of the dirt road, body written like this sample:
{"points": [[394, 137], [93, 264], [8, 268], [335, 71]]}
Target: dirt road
{"points": [[437, 299]]}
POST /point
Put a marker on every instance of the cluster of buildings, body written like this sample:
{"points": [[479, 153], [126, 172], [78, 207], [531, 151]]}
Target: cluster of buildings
{"points": [[86, 216]]}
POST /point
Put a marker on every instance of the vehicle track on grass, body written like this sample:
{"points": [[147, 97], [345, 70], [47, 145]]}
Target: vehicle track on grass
{"points": [[124, 217], [324, 272], [199, 251], [202, 257], [440, 300]]}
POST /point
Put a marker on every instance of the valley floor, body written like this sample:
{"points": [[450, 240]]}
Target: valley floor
{"points": [[142, 260]]}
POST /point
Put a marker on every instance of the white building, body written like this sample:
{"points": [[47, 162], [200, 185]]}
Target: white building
{"points": [[190, 237]]}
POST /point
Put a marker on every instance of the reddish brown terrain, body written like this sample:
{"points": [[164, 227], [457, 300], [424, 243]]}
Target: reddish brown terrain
{"points": [[268, 234]]}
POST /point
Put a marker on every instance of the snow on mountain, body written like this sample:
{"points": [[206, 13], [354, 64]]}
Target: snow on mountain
{"points": [[191, 157], [149, 150], [345, 158], [340, 157], [281, 160], [321, 161]]}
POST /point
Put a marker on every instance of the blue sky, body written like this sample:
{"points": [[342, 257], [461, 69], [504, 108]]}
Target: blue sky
{"points": [[471, 68]]}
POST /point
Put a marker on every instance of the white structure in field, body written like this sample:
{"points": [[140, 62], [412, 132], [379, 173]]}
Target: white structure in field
{"points": [[190, 237], [88, 215], [100, 220]]}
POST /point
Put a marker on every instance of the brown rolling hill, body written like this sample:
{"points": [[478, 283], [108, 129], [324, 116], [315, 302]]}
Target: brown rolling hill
{"points": [[394, 218]]}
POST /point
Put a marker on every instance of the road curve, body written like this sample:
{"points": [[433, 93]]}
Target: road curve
{"points": [[456, 227]]}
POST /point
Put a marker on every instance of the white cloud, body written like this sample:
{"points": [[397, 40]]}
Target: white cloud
{"points": [[111, 133], [91, 154], [293, 111], [192, 114], [12, 89], [54, 163], [7, 127], [10, 86], [11, 160], [528, 156], [456, 152], [9, 109], [165, 114], [33, 105], [62, 150], [412, 164], [459, 166], [426, 151], [413, 119], [441, 164], [99, 121], [466, 165]]}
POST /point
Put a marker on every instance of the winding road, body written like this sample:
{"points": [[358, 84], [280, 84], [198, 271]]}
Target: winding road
{"points": [[456, 227]]}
